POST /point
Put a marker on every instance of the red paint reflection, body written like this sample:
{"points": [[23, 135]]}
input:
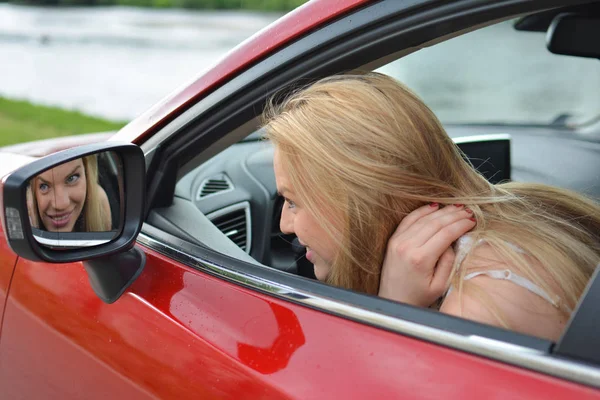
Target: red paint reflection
{"points": [[276, 357]]}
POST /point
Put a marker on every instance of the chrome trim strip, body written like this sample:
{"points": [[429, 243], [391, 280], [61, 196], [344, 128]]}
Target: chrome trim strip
{"points": [[481, 138], [494, 349], [69, 243]]}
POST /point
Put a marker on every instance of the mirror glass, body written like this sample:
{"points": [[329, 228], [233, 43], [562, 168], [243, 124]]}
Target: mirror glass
{"points": [[77, 203]]}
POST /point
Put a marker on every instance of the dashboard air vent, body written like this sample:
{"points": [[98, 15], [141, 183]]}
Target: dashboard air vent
{"points": [[214, 185], [234, 222]]}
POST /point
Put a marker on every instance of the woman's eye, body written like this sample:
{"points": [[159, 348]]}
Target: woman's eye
{"points": [[73, 178], [290, 203]]}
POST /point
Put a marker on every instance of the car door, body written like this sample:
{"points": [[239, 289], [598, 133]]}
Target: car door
{"points": [[201, 324], [179, 333], [8, 258]]}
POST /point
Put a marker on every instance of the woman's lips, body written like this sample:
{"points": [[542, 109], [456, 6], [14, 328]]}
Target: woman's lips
{"points": [[60, 220], [309, 255]]}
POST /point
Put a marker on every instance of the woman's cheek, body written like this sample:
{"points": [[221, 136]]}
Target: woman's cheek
{"points": [[79, 193], [43, 203]]}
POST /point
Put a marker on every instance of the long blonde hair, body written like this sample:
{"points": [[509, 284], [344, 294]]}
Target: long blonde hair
{"points": [[94, 213], [96, 219], [376, 152]]}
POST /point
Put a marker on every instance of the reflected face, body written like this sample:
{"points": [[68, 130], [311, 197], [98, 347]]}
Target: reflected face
{"points": [[295, 219], [60, 193]]}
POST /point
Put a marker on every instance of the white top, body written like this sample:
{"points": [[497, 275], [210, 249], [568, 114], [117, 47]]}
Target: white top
{"points": [[466, 243]]}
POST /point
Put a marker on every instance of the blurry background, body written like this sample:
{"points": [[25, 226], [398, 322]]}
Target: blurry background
{"points": [[67, 67], [111, 63]]}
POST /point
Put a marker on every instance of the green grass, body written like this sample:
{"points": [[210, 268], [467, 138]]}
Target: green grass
{"points": [[21, 121]]}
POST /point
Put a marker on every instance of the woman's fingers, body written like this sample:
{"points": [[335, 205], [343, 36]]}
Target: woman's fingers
{"points": [[415, 216], [442, 271], [422, 231], [425, 220], [423, 214], [444, 238]]}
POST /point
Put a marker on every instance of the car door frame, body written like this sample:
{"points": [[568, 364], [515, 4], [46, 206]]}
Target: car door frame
{"points": [[224, 116]]}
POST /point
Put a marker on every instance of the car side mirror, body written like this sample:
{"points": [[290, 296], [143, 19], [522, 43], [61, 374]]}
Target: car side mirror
{"points": [[574, 35], [77, 204], [82, 204]]}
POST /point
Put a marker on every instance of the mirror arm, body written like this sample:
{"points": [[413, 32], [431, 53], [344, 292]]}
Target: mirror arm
{"points": [[111, 275]]}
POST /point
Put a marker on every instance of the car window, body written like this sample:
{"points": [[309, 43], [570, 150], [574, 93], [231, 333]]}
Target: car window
{"points": [[500, 75]]}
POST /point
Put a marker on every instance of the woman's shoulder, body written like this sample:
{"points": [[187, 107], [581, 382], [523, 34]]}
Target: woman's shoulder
{"points": [[495, 293]]}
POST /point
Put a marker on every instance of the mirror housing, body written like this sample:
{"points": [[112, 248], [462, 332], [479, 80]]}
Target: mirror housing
{"points": [[574, 35], [17, 224]]}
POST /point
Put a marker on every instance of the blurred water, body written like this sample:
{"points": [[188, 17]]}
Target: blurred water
{"points": [[116, 62]]}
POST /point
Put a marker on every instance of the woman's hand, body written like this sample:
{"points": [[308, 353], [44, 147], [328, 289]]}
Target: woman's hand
{"points": [[419, 256]]}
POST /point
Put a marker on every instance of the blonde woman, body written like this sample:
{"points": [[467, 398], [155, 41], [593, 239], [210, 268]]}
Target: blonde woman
{"points": [[68, 198], [378, 192]]}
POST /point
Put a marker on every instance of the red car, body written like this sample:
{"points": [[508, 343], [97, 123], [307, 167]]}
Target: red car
{"points": [[191, 291]]}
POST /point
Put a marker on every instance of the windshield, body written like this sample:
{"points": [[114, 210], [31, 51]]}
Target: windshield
{"points": [[500, 75]]}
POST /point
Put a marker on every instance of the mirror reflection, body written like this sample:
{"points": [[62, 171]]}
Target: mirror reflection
{"points": [[77, 203]]}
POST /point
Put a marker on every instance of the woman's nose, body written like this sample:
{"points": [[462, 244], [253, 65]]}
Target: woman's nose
{"points": [[286, 223], [61, 198]]}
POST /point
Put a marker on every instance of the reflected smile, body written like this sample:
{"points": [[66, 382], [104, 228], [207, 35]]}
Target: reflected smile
{"points": [[61, 219]]}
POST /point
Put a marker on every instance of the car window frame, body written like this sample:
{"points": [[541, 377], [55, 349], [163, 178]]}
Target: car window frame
{"points": [[198, 126], [584, 323]]}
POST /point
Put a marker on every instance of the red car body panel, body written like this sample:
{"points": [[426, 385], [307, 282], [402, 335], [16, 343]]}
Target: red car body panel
{"points": [[8, 260], [178, 333], [288, 28]]}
